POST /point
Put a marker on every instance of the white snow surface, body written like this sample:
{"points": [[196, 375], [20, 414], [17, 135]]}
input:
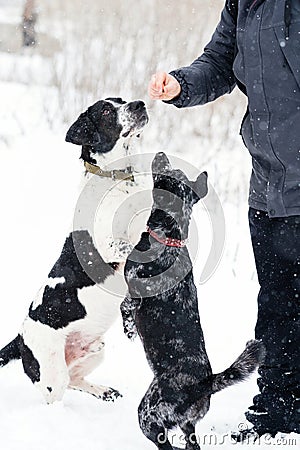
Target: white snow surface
{"points": [[39, 178]]}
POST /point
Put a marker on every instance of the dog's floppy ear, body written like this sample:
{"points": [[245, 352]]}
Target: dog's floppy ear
{"points": [[160, 164], [83, 131], [200, 187]]}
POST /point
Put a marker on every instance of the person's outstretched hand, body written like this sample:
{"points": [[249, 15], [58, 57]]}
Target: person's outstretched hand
{"points": [[163, 87]]}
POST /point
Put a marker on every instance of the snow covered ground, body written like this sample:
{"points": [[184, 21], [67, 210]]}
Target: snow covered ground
{"points": [[39, 177]]}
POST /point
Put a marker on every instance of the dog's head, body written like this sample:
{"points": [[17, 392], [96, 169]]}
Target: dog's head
{"points": [[174, 195], [107, 121]]}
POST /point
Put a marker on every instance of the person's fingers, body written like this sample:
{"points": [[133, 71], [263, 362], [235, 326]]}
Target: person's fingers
{"points": [[153, 82], [171, 88], [163, 86], [160, 81], [152, 91], [156, 85]]}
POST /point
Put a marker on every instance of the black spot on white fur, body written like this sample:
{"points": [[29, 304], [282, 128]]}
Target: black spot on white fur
{"points": [[168, 322], [60, 305]]}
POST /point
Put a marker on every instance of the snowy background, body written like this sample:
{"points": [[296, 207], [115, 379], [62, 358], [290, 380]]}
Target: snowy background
{"points": [[88, 50]]}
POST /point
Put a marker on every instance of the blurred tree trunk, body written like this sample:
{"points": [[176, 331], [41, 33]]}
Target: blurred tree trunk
{"points": [[28, 24]]}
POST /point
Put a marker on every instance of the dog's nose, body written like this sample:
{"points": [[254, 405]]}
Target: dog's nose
{"points": [[49, 388], [136, 106]]}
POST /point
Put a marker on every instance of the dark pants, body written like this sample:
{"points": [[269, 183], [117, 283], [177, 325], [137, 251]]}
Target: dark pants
{"points": [[276, 246]]}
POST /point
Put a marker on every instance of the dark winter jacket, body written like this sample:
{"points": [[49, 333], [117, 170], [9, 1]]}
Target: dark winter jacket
{"points": [[256, 45]]}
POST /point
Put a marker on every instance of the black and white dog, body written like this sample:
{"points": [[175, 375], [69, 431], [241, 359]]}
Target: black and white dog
{"points": [[162, 307], [61, 339]]}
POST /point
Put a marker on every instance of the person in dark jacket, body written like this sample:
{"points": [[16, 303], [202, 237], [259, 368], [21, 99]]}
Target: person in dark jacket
{"points": [[256, 46]]}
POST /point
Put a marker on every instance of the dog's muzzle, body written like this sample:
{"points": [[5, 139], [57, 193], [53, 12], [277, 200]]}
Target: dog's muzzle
{"points": [[137, 117]]}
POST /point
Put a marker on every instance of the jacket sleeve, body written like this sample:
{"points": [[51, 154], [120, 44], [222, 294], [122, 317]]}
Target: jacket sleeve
{"points": [[210, 75]]}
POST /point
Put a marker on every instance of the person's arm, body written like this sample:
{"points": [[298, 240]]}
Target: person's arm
{"points": [[209, 76]]}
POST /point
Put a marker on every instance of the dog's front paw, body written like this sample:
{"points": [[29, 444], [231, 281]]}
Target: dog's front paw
{"points": [[131, 334], [130, 330], [111, 395]]}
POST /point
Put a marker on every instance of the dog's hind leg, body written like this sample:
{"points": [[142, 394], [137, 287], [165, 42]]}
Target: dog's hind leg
{"points": [[190, 436], [84, 366], [43, 356], [150, 421], [156, 434], [103, 392]]}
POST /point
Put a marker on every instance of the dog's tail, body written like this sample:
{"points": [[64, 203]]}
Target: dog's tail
{"points": [[10, 351], [243, 366]]}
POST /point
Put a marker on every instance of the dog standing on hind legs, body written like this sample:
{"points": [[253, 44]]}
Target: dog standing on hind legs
{"points": [[161, 306], [61, 340]]}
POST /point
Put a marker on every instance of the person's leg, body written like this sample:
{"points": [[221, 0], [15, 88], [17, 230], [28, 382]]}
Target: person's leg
{"points": [[276, 246]]}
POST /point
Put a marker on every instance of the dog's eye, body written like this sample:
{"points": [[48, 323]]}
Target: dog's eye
{"points": [[105, 112]]}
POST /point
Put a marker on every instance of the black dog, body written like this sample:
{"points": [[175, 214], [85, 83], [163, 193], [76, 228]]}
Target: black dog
{"points": [[161, 306]]}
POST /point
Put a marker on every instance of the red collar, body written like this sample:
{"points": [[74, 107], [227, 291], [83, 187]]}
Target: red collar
{"points": [[169, 242]]}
